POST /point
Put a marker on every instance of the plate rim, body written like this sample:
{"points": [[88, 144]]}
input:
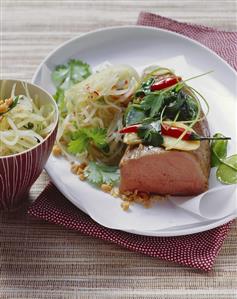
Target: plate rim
{"points": [[158, 233]]}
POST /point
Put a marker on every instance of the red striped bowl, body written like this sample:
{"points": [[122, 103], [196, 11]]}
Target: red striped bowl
{"points": [[18, 172]]}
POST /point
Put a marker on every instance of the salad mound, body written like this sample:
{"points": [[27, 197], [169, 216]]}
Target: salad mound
{"points": [[23, 122]]}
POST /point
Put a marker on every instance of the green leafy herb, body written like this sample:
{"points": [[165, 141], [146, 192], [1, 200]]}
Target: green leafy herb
{"points": [[66, 75], [98, 173], [218, 150], [83, 138], [174, 101], [145, 88], [134, 115], [152, 104], [150, 134]]}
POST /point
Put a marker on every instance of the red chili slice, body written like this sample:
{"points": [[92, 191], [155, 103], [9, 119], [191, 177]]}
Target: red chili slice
{"points": [[164, 83]]}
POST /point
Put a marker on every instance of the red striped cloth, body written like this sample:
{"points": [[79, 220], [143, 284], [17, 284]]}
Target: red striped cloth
{"points": [[222, 42], [197, 250]]}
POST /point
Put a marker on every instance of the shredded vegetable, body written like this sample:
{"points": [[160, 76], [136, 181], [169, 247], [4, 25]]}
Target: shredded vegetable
{"points": [[25, 124], [97, 102]]}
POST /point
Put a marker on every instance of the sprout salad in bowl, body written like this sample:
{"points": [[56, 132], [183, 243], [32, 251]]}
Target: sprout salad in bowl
{"points": [[24, 123]]}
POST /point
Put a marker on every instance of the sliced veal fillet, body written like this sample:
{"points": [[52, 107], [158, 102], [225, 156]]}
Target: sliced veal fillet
{"points": [[174, 172]]}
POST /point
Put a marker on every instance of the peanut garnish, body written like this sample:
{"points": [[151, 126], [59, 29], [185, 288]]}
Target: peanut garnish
{"points": [[125, 205], [106, 188], [57, 150], [5, 105], [82, 177]]}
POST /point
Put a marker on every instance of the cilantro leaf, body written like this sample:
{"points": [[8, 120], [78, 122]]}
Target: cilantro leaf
{"points": [[79, 143], [153, 103], [93, 174], [98, 173], [65, 75], [98, 135], [82, 138]]}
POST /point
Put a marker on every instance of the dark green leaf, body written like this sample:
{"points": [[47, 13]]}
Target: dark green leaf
{"points": [[153, 104], [150, 134], [145, 88]]}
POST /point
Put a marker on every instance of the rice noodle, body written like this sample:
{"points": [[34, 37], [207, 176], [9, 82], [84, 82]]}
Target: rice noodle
{"points": [[99, 102]]}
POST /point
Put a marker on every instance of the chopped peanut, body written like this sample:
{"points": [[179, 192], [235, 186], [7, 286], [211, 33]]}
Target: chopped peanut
{"points": [[106, 188], [144, 196], [115, 192], [147, 204], [82, 177], [9, 101], [80, 171], [57, 150], [4, 105], [74, 168], [125, 205], [83, 165]]}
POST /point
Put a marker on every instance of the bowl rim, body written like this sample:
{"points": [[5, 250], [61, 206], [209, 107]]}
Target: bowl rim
{"points": [[55, 121]]}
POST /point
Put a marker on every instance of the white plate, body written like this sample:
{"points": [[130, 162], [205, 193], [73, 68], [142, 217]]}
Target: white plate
{"points": [[139, 46]]}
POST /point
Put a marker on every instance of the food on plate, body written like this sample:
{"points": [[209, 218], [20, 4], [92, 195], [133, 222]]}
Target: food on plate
{"points": [[136, 136], [23, 122], [175, 172], [92, 113], [173, 155]]}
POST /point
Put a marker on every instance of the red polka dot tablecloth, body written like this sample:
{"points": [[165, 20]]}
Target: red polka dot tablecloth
{"points": [[197, 250]]}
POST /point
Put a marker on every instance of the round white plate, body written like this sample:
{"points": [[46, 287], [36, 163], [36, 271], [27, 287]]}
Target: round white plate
{"points": [[139, 46]]}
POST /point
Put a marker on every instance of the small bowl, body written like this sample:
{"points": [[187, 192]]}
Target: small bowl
{"points": [[18, 172]]}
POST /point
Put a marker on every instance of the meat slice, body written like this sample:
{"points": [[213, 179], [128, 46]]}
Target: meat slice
{"points": [[155, 170]]}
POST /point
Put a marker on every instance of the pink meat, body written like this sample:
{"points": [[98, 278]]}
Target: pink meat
{"points": [[174, 172]]}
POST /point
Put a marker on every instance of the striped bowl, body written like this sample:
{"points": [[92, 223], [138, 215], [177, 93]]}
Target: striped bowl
{"points": [[18, 172]]}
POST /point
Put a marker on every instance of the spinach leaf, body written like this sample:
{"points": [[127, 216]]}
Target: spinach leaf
{"points": [[150, 134]]}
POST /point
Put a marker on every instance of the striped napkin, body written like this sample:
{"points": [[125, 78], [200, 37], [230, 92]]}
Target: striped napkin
{"points": [[197, 250]]}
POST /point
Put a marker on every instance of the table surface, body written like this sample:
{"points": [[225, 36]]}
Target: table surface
{"points": [[40, 260]]}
